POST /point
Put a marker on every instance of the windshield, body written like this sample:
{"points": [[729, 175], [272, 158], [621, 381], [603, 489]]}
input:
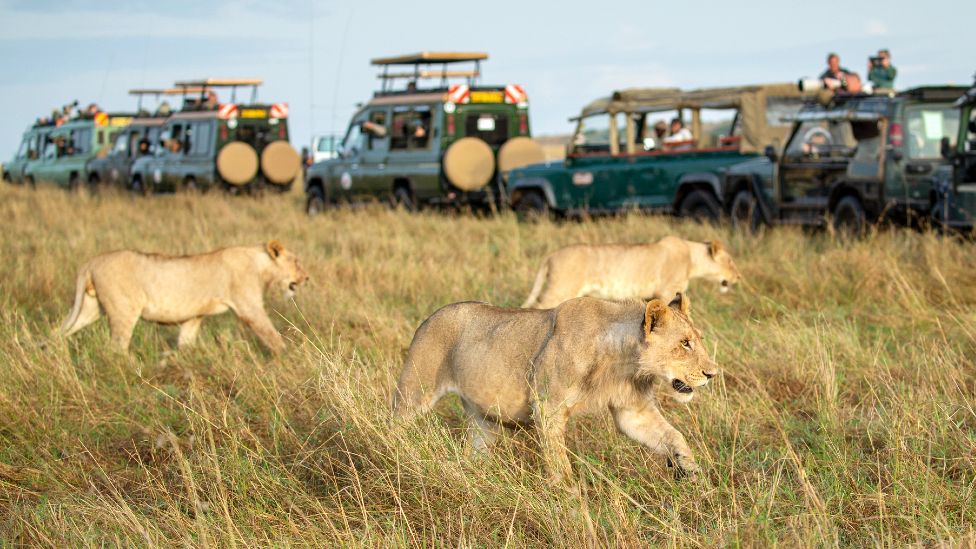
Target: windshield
{"points": [[926, 125], [822, 138]]}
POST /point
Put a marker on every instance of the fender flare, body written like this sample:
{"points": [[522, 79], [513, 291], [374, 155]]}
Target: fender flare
{"points": [[709, 178], [534, 183]]}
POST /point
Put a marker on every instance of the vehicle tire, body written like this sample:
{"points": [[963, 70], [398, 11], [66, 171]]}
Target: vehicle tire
{"points": [[29, 181], [74, 184], [744, 213], [531, 206], [849, 218], [402, 197], [315, 203], [190, 185], [701, 206], [93, 184], [138, 186]]}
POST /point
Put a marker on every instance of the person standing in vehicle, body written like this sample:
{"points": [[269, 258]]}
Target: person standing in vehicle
{"points": [[881, 72], [835, 77]]}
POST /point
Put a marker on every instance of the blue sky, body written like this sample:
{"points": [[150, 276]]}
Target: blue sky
{"points": [[315, 55]]}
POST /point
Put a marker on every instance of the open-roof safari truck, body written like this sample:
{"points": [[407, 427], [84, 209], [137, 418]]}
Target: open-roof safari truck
{"points": [[622, 157], [239, 147], [56, 151], [850, 160], [954, 191], [430, 135]]}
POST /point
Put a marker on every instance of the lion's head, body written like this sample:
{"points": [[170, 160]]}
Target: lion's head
{"points": [[673, 351], [287, 272], [723, 269]]}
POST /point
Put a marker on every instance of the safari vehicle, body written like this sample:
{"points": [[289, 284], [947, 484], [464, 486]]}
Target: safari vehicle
{"points": [[236, 147], [113, 165], [57, 154], [954, 188], [443, 143], [618, 161], [855, 159]]}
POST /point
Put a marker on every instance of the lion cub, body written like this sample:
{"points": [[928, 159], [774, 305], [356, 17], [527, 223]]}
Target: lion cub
{"points": [[130, 285], [521, 366], [617, 271]]}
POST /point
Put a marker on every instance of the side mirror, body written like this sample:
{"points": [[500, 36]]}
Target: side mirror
{"points": [[944, 149], [770, 153]]}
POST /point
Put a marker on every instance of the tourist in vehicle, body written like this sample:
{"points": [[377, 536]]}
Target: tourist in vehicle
{"points": [[881, 73], [835, 77], [681, 137]]}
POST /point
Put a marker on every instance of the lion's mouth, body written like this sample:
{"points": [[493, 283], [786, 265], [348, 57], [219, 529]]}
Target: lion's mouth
{"points": [[724, 286], [681, 386]]}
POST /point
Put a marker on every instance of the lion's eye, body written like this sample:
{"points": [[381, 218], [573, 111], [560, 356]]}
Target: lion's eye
{"points": [[686, 344]]}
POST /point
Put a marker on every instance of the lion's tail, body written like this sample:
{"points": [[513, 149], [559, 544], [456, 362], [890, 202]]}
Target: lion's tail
{"points": [[540, 283], [85, 309]]}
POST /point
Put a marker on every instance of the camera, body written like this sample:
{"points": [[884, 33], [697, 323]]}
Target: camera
{"points": [[875, 61]]}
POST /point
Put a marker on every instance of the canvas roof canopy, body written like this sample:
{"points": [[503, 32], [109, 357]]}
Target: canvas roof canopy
{"points": [[431, 57], [219, 82], [749, 101]]}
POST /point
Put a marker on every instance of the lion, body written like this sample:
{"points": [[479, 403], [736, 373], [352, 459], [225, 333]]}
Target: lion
{"points": [[129, 285], [618, 271], [539, 367]]}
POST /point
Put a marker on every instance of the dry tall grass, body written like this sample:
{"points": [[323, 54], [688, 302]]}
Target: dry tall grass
{"points": [[845, 414]]}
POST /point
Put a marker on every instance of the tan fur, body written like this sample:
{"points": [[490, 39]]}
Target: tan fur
{"points": [[130, 285], [619, 271], [530, 366]]}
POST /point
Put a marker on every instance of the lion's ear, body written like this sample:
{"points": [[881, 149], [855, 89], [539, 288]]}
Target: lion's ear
{"points": [[275, 248], [681, 303], [714, 247], [655, 315]]}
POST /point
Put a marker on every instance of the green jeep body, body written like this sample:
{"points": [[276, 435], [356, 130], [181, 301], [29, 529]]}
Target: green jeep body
{"points": [[114, 166], [186, 154], [58, 154], [954, 187], [853, 159], [623, 166], [381, 157]]}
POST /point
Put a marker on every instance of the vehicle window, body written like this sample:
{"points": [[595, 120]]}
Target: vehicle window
{"points": [[971, 132], [202, 135], [821, 138], [926, 125], [593, 134], [36, 146], [174, 141], [491, 128], [353, 143], [81, 141], [410, 128], [125, 142], [255, 135], [24, 147], [153, 136], [51, 147], [327, 145], [378, 120], [867, 152]]}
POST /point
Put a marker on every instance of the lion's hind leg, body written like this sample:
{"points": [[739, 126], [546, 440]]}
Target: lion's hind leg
{"points": [[483, 432], [84, 313]]}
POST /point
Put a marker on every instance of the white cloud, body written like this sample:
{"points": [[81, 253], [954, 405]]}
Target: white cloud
{"points": [[876, 27]]}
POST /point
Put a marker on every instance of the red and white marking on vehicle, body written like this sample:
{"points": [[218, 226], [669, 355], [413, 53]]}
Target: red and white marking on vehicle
{"points": [[226, 110], [279, 110], [515, 93], [459, 93]]}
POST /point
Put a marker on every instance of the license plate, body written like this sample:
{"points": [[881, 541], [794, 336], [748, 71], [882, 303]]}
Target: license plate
{"points": [[487, 97], [254, 113], [486, 124]]}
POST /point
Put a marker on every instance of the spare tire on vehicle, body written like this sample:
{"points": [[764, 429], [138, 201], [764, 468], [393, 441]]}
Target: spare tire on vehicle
{"points": [[237, 163], [519, 152], [469, 164], [280, 163]]}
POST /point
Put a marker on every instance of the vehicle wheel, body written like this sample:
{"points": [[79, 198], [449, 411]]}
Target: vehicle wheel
{"points": [[74, 183], [700, 206], [29, 181], [93, 184], [139, 187], [744, 213], [849, 217], [315, 204], [531, 206], [402, 197], [189, 185]]}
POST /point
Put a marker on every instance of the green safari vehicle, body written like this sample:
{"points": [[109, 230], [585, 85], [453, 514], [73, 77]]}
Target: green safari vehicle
{"points": [[444, 143], [954, 188], [621, 157], [237, 147], [851, 160], [58, 154]]}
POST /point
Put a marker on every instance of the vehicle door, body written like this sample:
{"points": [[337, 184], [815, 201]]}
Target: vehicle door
{"points": [[414, 149], [597, 176], [925, 124], [52, 150], [814, 160], [375, 155], [650, 177], [346, 181], [168, 171], [198, 151]]}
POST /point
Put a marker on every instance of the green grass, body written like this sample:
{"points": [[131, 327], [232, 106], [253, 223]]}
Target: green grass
{"points": [[845, 414]]}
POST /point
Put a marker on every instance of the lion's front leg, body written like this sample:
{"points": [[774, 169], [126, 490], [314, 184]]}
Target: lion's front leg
{"points": [[257, 319], [550, 420], [645, 424]]}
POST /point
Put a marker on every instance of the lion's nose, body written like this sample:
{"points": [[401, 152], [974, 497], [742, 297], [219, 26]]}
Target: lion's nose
{"points": [[708, 375]]}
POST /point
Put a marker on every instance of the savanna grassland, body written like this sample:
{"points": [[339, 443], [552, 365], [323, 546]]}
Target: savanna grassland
{"points": [[845, 414]]}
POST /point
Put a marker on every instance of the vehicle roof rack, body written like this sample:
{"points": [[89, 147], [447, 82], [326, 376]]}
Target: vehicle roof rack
{"points": [[428, 58], [203, 85]]}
